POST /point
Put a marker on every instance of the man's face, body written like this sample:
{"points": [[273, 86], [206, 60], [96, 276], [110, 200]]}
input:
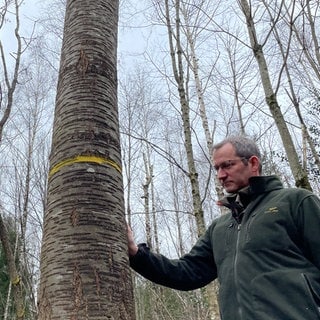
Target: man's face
{"points": [[232, 172]]}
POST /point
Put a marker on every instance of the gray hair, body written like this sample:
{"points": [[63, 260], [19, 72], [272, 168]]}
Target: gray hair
{"points": [[244, 147]]}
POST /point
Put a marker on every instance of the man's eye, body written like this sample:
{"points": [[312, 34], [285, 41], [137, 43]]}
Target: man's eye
{"points": [[226, 165]]}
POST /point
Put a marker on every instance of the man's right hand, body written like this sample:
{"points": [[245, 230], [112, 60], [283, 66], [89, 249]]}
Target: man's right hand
{"points": [[132, 246]]}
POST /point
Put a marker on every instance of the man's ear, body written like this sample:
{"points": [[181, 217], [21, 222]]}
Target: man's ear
{"points": [[255, 163]]}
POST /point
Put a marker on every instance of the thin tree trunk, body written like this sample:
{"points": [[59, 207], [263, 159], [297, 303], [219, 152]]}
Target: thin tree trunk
{"points": [[177, 67], [11, 86], [300, 175], [15, 278], [193, 62], [147, 201], [6, 310], [178, 71]]}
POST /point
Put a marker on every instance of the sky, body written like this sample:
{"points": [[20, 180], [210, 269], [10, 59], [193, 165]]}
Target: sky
{"points": [[29, 13], [133, 38]]}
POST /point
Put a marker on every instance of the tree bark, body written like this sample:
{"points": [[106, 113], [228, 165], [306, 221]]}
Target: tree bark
{"points": [[84, 264]]}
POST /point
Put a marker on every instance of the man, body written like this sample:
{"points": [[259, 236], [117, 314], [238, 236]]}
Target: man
{"points": [[265, 252]]}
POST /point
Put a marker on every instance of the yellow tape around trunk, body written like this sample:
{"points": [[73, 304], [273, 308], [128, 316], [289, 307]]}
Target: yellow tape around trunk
{"points": [[85, 158]]}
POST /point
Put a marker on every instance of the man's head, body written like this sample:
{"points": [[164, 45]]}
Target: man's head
{"points": [[236, 159]]}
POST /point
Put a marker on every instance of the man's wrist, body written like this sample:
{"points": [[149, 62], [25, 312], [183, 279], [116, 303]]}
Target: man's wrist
{"points": [[133, 250]]}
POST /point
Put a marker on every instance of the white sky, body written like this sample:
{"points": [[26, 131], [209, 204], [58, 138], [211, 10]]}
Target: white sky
{"points": [[29, 12]]}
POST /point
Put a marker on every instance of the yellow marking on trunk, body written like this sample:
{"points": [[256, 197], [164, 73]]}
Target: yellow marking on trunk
{"points": [[89, 159], [16, 280]]}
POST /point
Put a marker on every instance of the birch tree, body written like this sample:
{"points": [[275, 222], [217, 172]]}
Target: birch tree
{"points": [[300, 175], [7, 90]]}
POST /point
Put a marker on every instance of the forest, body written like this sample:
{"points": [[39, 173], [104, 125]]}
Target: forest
{"points": [[81, 159]]}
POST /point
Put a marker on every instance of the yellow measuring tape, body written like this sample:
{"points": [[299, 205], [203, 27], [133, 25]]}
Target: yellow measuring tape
{"points": [[84, 158]]}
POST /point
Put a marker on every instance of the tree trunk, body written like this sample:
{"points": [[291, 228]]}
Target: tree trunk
{"points": [[84, 263], [176, 53], [10, 87], [15, 279], [178, 71], [146, 199], [300, 175]]}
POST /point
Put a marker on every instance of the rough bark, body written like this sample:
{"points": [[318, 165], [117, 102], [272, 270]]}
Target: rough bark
{"points": [[84, 263]]}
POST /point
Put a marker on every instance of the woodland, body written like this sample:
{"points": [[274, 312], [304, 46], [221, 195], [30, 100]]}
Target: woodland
{"points": [[189, 73]]}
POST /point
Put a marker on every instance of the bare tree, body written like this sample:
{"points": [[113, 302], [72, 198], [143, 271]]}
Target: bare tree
{"points": [[300, 175], [307, 38], [6, 104]]}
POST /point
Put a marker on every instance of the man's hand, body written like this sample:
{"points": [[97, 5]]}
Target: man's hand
{"points": [[132, 247]]}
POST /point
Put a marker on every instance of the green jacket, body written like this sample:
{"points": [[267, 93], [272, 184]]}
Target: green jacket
{"points": [[268, 265]]}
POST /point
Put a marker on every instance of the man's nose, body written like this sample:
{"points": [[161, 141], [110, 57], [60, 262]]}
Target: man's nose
{"points": [[221, 173]]}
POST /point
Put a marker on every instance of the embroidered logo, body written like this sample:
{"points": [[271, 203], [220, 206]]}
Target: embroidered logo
{"points": [[272, 210]]}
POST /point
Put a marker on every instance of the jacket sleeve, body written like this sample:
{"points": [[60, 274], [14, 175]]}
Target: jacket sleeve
{"points": [[193, 270], [309, 213]]}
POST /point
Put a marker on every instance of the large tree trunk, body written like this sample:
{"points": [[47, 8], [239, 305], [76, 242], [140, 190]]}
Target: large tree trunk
{"points": [[84, 267]]}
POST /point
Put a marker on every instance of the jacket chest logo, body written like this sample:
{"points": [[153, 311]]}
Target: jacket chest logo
{"points": [[272, 210]]}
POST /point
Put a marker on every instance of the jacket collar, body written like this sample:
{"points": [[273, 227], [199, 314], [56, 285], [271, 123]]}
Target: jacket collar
{"points": [[237, 202], [262, 184]]}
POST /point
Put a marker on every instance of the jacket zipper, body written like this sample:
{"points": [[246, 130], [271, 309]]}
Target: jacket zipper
{"points": [[236, 280], [246, 212]]}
